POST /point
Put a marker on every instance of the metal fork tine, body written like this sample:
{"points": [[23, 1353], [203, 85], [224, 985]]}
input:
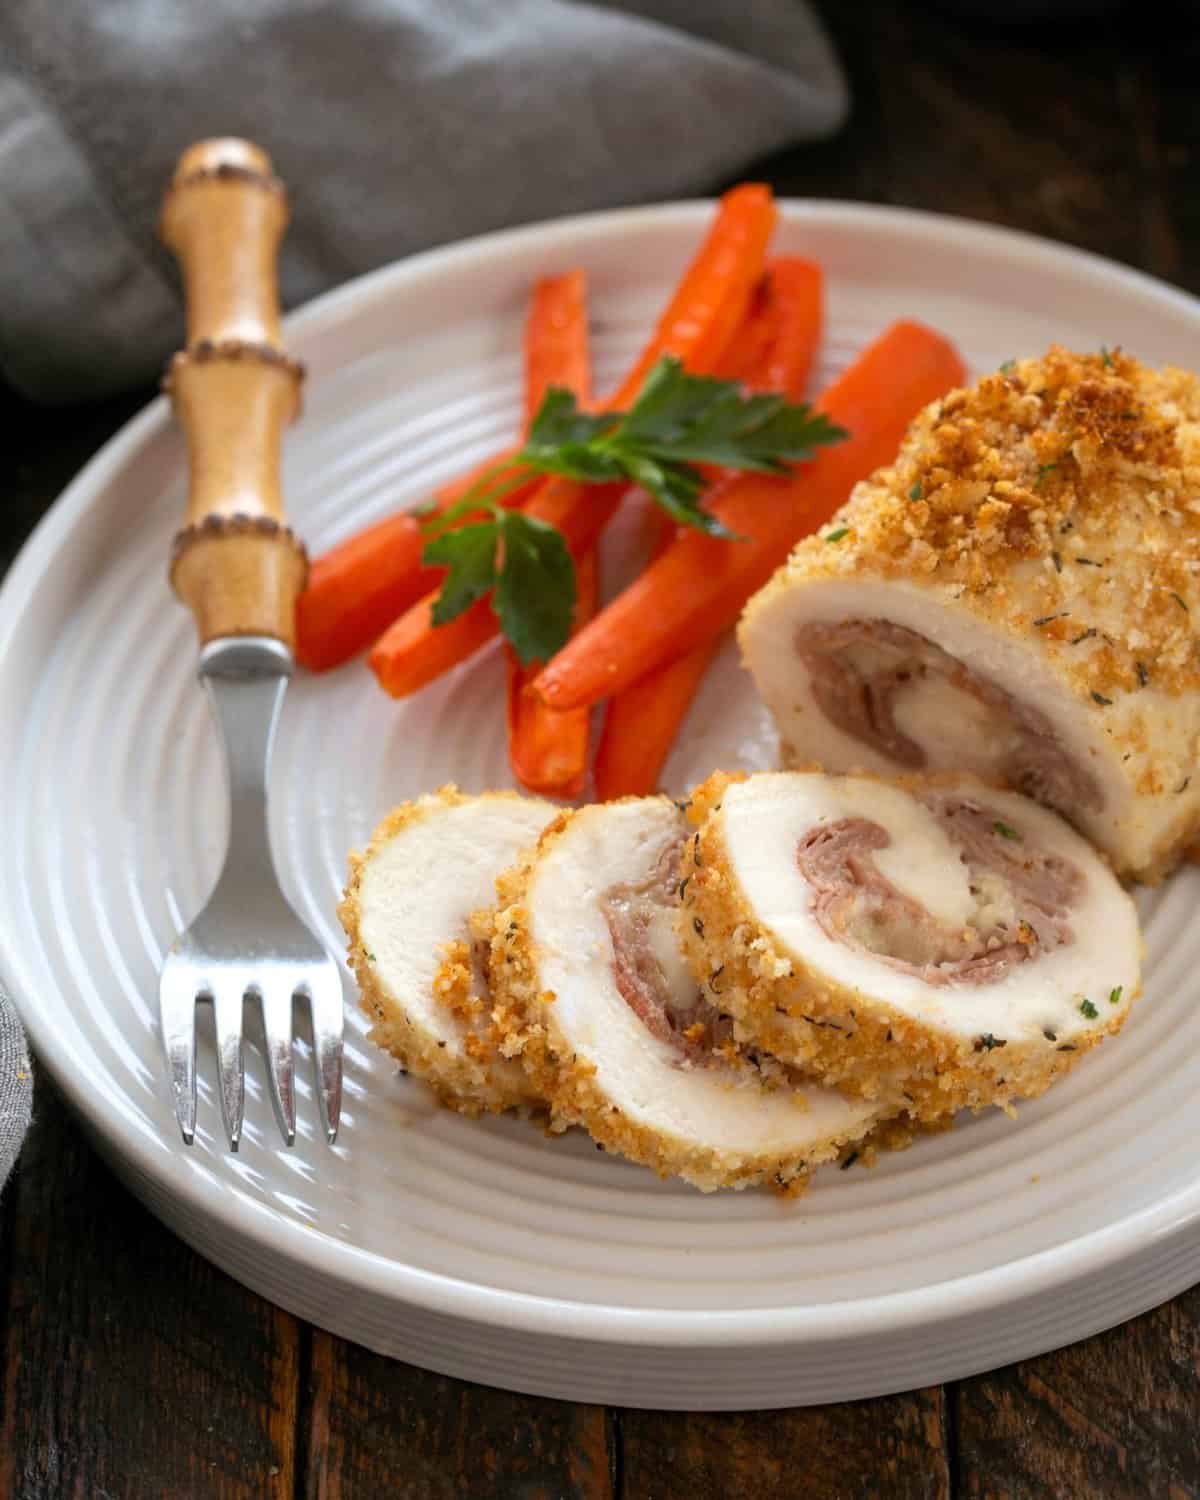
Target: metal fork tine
{"points": [[324, 991], [228, 1004], [276, 1004], [177, 1007]]}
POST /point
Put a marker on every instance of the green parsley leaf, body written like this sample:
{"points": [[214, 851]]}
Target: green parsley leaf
{"points": [[1087, 1009], [915, 492], [1008, 366], [470, 554], [836, 536], [678, 421], [535, 593], [560, 423], [677, 488], [1043, 470], [1107, 357], [700, 420], [1004, 831], [1114, 996]]}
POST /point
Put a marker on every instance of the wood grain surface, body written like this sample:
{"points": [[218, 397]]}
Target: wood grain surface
{"points": [[129, 1368]]}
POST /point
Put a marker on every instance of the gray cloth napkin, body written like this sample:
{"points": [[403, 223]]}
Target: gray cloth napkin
{"points": [[16, 1086], [398, 124]]}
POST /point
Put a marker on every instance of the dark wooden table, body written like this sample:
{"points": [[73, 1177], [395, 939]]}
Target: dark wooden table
{"points": [[130, 1368]]}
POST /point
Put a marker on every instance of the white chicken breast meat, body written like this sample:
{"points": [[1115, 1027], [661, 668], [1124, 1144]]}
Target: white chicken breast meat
{"points": [[406, 910], [930, 943], [615, 1033]]}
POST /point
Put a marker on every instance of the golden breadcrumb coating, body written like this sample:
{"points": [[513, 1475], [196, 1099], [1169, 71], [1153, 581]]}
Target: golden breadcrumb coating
{"points": [[524, 1011], [1057, 500], [466, 1081], [1075, 464], [842, 1035]]}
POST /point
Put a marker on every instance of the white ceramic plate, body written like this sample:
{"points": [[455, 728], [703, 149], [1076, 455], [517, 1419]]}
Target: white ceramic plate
{"points": [[481, 1249]]}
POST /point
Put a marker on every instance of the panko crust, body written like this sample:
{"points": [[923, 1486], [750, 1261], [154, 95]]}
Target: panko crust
{"points": [[842, 1035], [1084, 469], [464, 1082], [524, 1010], [1056, 501]]}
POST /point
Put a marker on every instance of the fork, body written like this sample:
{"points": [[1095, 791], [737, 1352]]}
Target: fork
{"points": [[239, 568]]}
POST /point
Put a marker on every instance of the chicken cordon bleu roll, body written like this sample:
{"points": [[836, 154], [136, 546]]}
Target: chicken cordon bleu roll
{"points": [[1017, 595], [616, 1035], [430, 864], [933, 944]]}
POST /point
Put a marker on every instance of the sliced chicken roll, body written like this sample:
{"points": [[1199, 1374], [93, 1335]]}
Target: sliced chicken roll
{"points": [[935, 944], [407, 913], [1018, 595], [615, 1034]]}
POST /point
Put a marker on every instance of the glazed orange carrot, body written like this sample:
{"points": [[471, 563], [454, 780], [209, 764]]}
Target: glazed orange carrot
{"points": [[556, 341], [357, 588], [774, 351], [747, 353], [797, 291], [548, 751], [640, 724], [698, 586], [697, 326], [712, 300], [413, 651]]}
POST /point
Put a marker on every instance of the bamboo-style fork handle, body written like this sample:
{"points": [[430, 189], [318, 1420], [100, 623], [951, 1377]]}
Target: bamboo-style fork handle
{"points": [[235, 563]]}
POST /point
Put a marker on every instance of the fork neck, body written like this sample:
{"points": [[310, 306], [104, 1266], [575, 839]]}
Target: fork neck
{"points": [[246, 677]]}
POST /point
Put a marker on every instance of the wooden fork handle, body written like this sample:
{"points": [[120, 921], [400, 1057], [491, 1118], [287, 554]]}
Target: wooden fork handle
{"points": [[235, 563]]}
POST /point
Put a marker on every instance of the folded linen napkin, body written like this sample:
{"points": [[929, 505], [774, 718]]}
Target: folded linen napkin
{"points": [[16, 1086], [398, 124]]}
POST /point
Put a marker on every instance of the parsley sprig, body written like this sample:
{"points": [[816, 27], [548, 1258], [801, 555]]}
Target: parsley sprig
{"points": [[678, 422]]}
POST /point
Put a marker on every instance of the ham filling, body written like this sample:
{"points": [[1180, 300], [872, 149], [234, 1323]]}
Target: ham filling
{"points": [[1023, 896], [649, 968], [872, 678]]}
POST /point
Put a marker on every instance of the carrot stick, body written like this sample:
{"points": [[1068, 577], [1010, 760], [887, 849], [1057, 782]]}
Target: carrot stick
{"points": [[797, 289], [548, 751], [774, 351], [421, 651], [357, 588], [698, 586], [413, 651], [556, 341], [747, 353], [697, 326], [711, 301], [640, 724]]}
